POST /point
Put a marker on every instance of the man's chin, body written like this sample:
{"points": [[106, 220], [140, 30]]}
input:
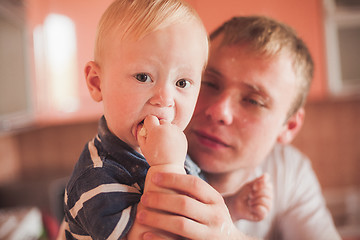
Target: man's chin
{"points": [[208, 163]]}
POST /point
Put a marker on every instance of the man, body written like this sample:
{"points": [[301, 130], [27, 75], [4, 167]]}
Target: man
{"points": [[250, 107]]}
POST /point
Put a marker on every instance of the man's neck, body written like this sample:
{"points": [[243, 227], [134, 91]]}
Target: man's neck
{"points": [[228, 183]]}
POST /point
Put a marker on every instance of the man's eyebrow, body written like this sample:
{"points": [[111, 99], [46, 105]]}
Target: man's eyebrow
{"points": [[258, 89], [254, 87]]}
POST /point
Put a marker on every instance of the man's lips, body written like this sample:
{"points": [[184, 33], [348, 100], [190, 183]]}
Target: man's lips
{"points": [[210, 140]]}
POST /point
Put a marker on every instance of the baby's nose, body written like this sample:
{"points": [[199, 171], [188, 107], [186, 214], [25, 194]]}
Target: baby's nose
{"points": [[162, 98]]}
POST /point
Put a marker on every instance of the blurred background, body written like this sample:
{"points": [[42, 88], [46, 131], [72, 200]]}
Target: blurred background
{"points": [[47, 115]]}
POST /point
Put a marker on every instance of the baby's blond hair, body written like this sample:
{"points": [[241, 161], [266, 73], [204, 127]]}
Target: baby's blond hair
{"points": [[136, 18]]}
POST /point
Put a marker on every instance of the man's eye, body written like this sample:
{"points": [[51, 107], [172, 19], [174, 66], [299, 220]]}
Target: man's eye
{"points": [[143, 77], [209, 84], [254, 102], [182, 83]]}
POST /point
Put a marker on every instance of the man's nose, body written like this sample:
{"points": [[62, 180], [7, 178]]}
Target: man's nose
{"points": [[221, 109], [163, 97]]}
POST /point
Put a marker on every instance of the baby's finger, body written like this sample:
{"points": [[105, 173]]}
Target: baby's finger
{"points": [[261, 182], [164, 121], [142, 132], [264, 202], [266, 191], [151, 121], [259, 213]]}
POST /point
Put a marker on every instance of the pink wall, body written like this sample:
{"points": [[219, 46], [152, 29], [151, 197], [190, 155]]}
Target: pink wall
{"points": [[85, 14]]}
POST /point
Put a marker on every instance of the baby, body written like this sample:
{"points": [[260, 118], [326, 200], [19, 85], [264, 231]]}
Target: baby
{"points": [[148, 61]]}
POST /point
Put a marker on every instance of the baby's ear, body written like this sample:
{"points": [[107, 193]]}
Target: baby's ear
{"points": [[292, 127], [93, 80]]}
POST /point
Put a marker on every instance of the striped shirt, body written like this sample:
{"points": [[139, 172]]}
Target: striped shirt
{"points": [[105, 187]]}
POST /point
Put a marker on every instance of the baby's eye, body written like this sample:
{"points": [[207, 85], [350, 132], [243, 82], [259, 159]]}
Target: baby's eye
{"points": [[182, 83], [143, 77]]}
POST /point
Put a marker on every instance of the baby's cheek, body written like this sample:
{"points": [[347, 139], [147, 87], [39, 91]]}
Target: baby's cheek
{"points": [[184, 121]]}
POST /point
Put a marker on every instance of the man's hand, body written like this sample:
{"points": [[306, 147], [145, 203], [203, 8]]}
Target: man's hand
{"points": [[197, 212]]}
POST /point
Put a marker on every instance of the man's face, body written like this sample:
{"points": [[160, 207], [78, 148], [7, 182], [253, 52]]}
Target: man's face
{"points": [[241, 110], [158, 75]]}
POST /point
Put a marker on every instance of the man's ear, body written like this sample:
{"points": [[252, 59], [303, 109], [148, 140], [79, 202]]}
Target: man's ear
{"points": [[93, 80], [292, 127]]}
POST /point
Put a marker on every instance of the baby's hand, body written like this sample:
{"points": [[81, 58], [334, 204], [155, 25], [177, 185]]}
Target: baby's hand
{"points": [[162, 142], [254, 200], [164, 146]]}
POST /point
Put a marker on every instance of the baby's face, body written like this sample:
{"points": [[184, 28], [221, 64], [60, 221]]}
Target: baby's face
{"points": [[159, 74]]}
